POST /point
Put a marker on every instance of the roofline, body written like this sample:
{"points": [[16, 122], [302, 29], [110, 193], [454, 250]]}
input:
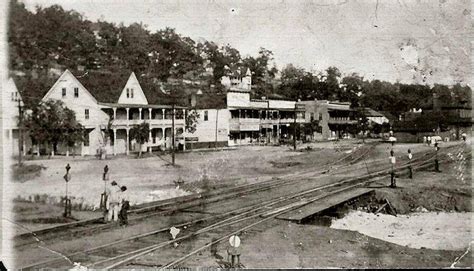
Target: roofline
{"points": [[111, 105], [57, 82]]}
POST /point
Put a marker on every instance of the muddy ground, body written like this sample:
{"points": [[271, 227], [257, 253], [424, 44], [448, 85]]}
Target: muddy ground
{"points": [[285, 244]]}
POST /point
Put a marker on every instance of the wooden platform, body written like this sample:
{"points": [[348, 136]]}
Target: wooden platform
{"points": [[318, 206]]}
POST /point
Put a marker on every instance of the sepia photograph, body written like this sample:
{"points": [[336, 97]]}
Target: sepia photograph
{"points": [[219, 134]]}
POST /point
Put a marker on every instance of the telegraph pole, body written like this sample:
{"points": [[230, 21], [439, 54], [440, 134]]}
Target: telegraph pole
{"points": [[294, 129], [217, 118], [20, 134], [172, 130]]}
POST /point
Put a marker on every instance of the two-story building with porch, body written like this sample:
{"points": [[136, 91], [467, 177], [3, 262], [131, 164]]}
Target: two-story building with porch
{"points": [[261, 120], [334, 118], [109, 111]]}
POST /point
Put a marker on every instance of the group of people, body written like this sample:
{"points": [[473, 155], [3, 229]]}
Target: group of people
{"points": [[117, 204]]}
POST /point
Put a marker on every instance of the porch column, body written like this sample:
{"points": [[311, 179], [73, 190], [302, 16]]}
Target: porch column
{"points": [[184, 113], [239, 114], [149, 138], [127, 146], [128, 109], [140, 113], [149, 113], [115, 113], [115, 141], [163, 112], [164, 137], [82, 148]]}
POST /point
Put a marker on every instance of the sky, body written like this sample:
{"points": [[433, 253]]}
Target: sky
{"points": [[416, 41]]}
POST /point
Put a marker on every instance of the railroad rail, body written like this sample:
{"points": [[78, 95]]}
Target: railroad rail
{"points": [[170, 206], [126, 250], [163, 207]]}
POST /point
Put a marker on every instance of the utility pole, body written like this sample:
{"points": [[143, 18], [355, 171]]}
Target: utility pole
{"points": [[294, 129], [217, 117], [20, 134], [172, 131]]}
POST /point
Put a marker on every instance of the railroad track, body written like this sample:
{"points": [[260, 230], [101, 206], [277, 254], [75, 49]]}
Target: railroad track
{"points": [[121, 252], [171, 206], [167, 206]]}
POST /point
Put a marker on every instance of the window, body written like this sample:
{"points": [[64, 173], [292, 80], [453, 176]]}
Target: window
{"points": [[13, 96], [64, 92], [128, 93], [206, 115], [312, 116], [131, 93], [320, 116], [76, 92], [86, 113]]}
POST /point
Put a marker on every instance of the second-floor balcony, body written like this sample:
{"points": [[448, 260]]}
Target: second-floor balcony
{"points": [[130, 122], [341, 120], [155, 116], [254, 124]]}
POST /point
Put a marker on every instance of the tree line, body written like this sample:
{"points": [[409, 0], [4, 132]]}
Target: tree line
{"points": [[51, 38]]}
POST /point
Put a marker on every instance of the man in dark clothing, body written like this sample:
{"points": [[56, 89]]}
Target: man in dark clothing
{"points": [[125, 205]]}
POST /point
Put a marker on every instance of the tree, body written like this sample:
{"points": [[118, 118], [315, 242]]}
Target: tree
{"points": [[297, 83], [362, 122], [333, 90], [352, 88], [192, 118], [140, 134], [51, 122]]}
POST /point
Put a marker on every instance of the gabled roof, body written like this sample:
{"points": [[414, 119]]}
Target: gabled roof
{"points": [[138, 97], [67, 74], [10, 89], [369, 112]]}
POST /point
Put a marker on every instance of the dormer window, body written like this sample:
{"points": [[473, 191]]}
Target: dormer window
{"points": [[76, 92], [128, 93], [64, 92], [131, 93]]}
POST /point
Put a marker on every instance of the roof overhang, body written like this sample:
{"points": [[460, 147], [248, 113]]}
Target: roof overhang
{"points": [[115, 105]]}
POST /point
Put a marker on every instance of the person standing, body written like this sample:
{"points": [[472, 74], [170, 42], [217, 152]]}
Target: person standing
{"points": [[113, 202], [124, 206]]}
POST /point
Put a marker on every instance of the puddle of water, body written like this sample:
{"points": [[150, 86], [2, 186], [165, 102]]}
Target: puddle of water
{"points": [[443, 231]]}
